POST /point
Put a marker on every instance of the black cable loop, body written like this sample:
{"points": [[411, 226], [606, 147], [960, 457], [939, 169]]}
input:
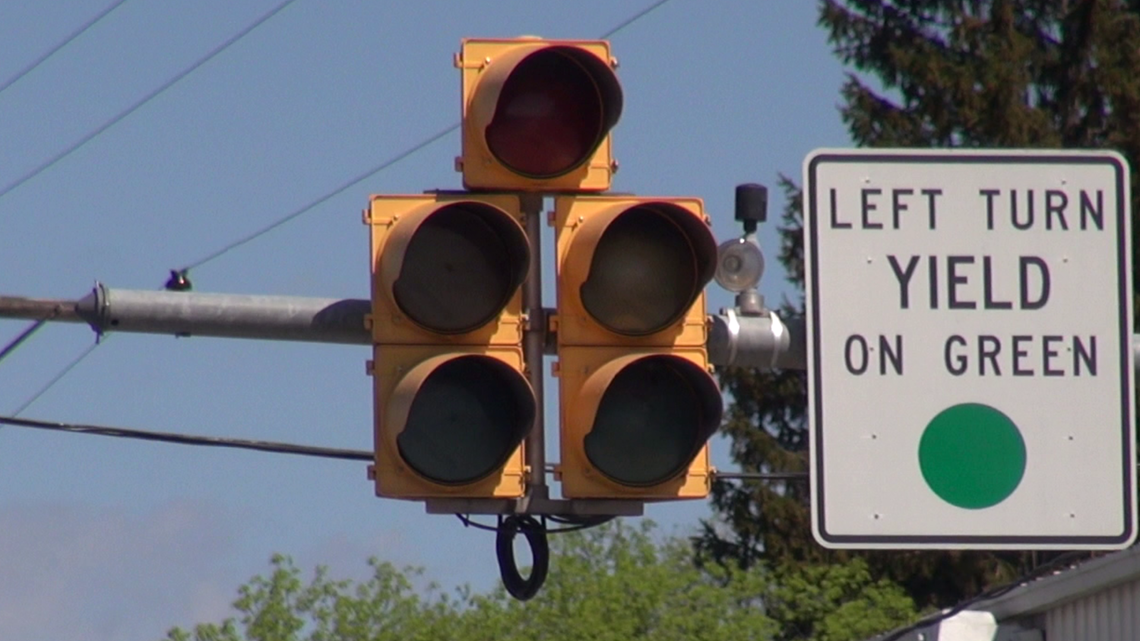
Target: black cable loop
{"points": [[535, 533]]}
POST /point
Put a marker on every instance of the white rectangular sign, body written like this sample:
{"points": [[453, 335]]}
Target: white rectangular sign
{"points": [[970, 380]]}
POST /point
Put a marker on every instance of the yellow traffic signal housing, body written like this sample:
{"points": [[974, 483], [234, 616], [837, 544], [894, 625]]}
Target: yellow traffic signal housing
{"points": [[537, 114], [453, 405], [638, 402]]}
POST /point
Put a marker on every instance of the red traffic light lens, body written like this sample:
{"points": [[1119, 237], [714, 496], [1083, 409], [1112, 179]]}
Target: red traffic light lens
{"points": [[649, 266], [553, 111], [467, 418], [652, 420], [461, 267]]}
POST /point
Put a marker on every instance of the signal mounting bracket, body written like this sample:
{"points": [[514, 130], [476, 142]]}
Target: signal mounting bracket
{"points": [[535, 505]]}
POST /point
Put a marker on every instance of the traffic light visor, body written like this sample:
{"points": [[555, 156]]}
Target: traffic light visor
{"points": [[648, 267], [552, 108], [654, 417], [464, 417], [455, 266]]}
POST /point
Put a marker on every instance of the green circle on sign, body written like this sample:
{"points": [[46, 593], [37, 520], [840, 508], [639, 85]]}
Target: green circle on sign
{"points": [[972, 456]]}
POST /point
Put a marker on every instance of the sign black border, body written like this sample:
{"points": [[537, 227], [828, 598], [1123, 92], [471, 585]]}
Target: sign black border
{"points": [[1125, 343]]}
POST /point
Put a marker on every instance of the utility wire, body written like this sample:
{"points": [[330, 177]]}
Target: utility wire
{"points": [[63, 43], [632, 19], [187, 439], [27, 333], [761, 476], [24, 335], [377, 169], [63, 372], [272, 446], [321, 199], [48, 164]]}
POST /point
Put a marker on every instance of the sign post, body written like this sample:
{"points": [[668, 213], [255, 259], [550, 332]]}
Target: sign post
{"points": [[969, 355]]}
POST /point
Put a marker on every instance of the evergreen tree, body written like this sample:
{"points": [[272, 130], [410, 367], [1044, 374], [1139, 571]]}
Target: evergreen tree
{"points": [[928, 73]]}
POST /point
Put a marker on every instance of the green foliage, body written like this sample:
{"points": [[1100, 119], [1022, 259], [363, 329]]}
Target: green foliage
{"points": [[927, 73], [836, 602], [609, 583], [283, 607], [615, 583]]}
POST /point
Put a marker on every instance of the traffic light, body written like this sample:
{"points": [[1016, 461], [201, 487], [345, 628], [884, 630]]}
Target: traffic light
{"points": [[638, 403], [537, 114], [452, 403]]}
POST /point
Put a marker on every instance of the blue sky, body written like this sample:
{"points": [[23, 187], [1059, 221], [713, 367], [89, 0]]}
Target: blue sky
{"points": [[114, 539]]}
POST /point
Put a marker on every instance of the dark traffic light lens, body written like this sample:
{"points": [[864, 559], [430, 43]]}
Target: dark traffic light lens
{"points": [[552, 113], [461, 267], [652, 420], [466, 419], [645, 272]]}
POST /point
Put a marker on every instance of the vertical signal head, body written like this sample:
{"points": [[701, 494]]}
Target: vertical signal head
{"points": [[638, 402], [453, 406], [537, 114]]}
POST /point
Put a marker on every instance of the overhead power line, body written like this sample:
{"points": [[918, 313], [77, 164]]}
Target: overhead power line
{"points": [[275, 447], [58, 377], [187, 439], [336, 191], [48, 164], [94, 20], [632, 19], [24, 335], [320, 199]]}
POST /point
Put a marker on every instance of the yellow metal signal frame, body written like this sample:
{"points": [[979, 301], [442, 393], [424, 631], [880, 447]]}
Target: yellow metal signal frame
{"points": [[485, 62], [585, 373], [579, 222], [400, 370], [392, 219]]}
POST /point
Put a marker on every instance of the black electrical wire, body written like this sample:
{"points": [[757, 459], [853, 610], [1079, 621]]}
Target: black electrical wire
{"points": [[572, 525], [319, 200], [48, 164], [535, 533], [24, 335], [632, 19], [187, 439], [761, 476], [60, 45], [574, 522], [336, 191], [27, 333], [57, 378]]}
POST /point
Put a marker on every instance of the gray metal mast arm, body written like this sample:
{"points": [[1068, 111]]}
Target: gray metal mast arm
{"points": [[734, 340], [744, 341], [285, 318]]}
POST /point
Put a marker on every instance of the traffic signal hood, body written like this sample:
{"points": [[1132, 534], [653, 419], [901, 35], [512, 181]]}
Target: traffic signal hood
{"points": [[537, 114], [638, 402], [632, 271], [452, 403]]}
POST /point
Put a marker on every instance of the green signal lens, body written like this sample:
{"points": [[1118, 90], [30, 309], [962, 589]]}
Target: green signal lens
{"points": [[652, 420], [462, 265], [467, 418], [646, 271]]}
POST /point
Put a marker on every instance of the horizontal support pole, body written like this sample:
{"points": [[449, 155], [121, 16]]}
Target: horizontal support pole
{"points": [[762, 341], [283, 318]]}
